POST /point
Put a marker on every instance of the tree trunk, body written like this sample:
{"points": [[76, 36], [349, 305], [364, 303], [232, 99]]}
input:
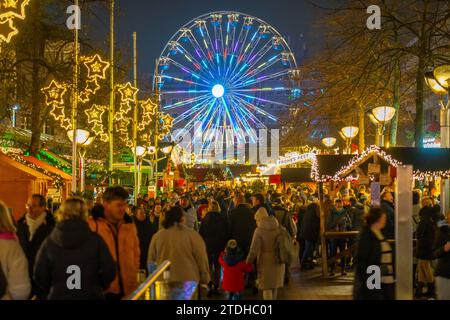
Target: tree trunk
{"points": [[38, 47], [362, 131], [396, 104], [419, 132]]}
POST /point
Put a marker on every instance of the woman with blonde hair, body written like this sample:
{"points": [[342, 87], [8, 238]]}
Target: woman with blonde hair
{"points": [[214, 230], [74, 263], [13, 263]]}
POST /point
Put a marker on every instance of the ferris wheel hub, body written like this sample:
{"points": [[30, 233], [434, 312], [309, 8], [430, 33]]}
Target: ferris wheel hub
{"points": [[218, 91]]}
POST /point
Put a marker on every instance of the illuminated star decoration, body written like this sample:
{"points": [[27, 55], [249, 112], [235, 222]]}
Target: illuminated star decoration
{"points": [[7, 30], [10, 10], [148, 109], [94, 115], [96, 67], [54, 98], [167, 122], [13, 8], [128, 92]]}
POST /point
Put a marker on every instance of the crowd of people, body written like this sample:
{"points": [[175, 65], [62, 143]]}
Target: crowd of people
{"points": [[226, 239]]}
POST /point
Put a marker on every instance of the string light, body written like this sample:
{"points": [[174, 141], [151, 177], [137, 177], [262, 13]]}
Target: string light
{"points": [[7, 30], [128, 92], [10, 10]]}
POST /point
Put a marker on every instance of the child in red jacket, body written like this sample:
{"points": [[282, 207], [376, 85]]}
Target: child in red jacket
{"points": [[234, 269]]}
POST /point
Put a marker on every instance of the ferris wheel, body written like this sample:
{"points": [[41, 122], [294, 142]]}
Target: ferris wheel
{"points": [[222, 70]]}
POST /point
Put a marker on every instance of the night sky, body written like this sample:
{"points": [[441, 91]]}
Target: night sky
{"points": [[155, 22]]}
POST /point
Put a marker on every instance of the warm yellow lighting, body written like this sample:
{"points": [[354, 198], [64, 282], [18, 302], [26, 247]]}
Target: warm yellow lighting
{"points": [[140, 151], [433, 84], [82, 136], [128, 92], [13, 9], [442, 76], [329, 142], [383, 114], [349, 132], [167, 150], [151, 150], [96, 67], [7, 30]]}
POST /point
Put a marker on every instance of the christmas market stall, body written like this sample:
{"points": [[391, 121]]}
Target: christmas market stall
{"points": [[18, 181]]}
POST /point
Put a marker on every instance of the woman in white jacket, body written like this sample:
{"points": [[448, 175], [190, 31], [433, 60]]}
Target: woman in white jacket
{"points": [[13, 262]]}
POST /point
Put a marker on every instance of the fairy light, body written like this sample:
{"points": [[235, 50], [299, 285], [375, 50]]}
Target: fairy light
{"points": [[96, 67], [9, 11]]}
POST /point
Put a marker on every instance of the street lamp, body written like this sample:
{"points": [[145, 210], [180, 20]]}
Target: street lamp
{"points": [[439, 82], [348, 134], [84, 140], [380, 116], [140, 152], [329, 142]]}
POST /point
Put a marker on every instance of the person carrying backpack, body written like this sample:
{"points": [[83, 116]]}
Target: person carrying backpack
{"points": [[270, 273]]}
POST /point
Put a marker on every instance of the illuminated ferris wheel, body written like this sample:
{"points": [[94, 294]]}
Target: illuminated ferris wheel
{"points": [[222, 70]]}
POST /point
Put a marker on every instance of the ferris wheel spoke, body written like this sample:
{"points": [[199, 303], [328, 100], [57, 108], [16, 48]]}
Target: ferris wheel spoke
{"points": [[265, 89], [185, 102], [197, 65], [236, 122], [262, 100], [188, 113], [262, 67], [253, 62], [241, 61], [200, 52], [261, 79], [189, 72], [243, 115], [233, 49], [185, 81], [256, 109]]}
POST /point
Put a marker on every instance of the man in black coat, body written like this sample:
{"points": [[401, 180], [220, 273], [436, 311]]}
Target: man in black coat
{"points": [[310, 231], [145, 231], [387, 205], [241, 223], [32, 230]]}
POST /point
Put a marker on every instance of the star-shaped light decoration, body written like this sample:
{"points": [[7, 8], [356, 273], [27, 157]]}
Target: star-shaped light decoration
{"points": [[104, 137], [54, 93], [92, 86], [124, 124], [96, 67], [13, 8], [97, 128], [83, 97], [125, 108], [128, 92], [167, 120], [57, 112], [7, 30], [66, 124], [95, 113]]}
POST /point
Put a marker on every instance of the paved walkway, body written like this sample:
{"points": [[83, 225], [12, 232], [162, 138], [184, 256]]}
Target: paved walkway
{"points": [[309, 285]]}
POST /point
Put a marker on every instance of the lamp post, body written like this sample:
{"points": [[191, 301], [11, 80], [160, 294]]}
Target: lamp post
{"points": [[139, 152], [329, 142], [348, 134], [438, 80], [380, 116], [83, 140]]}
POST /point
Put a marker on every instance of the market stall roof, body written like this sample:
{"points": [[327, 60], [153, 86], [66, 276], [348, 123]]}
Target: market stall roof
{"points": [[325, 166], [433, 162], [47, 167], [5, 159], [422, 159], [240, 170], [296, 175], [200, 174]]}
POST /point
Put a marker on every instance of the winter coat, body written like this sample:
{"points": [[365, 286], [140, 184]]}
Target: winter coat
{"points": [[214, 231], [186, 251], [31, 248], [356, 214], [72, 243], [263, 249], [389, 230], [242, 225], [443, 263], [339, 221], [124, 248], [14, 266], [145, 231], [311, 224], [190, 216], [284, 218], [234, 275], [368, 254], [300, 218], [426, 234]]}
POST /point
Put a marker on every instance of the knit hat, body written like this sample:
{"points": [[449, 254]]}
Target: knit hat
{"points": [[261, 213]]}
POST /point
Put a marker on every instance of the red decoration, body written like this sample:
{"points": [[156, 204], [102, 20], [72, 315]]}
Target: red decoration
{"points": [[275, 179]]}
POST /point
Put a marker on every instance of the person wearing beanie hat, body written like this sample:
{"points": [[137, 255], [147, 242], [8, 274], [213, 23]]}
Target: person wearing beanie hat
{"points": [[234, 269]]}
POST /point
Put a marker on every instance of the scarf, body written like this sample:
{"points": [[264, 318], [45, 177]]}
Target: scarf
{"points": [[34, 224]]}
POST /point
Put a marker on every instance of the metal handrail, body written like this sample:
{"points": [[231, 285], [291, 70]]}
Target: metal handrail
{"points": [[136, 294]]}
